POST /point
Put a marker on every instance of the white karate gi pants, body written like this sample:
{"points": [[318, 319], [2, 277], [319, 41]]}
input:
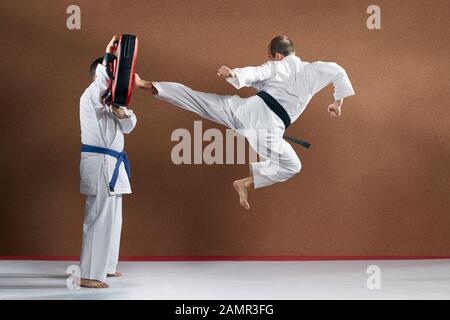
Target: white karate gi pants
{"points": [[101, 234], [251, 118]]}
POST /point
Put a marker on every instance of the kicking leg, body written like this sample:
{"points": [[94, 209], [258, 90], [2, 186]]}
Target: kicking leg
{"points": [[216, 108]]}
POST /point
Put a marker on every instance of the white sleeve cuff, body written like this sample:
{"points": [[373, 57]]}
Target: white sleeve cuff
{"points": [[234, 82], [341, 95]]}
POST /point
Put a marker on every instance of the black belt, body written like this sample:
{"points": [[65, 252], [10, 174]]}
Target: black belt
{"points": [[278, 109]]}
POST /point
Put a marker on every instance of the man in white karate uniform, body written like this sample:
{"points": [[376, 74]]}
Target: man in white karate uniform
{"points": [[102, 135], [285, 86]]}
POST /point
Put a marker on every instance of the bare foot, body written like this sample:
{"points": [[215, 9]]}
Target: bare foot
{"points": [[242, 189], [96, 284], [114, 275]]}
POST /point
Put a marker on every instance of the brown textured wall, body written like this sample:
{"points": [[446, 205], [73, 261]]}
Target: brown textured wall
{"points": [[375, 182]]}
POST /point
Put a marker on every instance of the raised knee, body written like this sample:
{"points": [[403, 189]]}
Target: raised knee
{"points": [[292, 167], [295, 167]]}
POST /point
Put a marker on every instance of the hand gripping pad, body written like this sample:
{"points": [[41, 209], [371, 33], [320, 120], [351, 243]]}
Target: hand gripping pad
{"points": [[122, 83]]}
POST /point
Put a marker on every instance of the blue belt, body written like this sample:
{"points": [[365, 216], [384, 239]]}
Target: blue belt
{"points": [[120, 156]]}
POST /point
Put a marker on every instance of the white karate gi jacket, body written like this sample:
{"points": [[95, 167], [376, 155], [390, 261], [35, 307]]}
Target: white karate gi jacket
{"points": [[294, 82], [101, 128]]}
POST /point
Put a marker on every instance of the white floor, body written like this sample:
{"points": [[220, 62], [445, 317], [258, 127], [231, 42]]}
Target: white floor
{"points": [[412, 279]]}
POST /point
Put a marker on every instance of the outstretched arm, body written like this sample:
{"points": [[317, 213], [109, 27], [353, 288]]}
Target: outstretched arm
{"points": [[245, 77]]}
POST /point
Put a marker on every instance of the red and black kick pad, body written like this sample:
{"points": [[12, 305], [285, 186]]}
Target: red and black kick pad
{"points": [[121, 70]]}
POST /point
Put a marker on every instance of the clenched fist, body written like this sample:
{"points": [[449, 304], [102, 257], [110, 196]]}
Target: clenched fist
{"points": [[225, 72], [111, 47], [334, 109]]}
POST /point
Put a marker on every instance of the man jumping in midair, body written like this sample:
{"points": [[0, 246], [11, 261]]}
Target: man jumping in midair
{"points": [[285, 86]]}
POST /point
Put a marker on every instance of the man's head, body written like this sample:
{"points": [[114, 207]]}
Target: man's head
{"points": [[94, 65], [280, 47]]}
